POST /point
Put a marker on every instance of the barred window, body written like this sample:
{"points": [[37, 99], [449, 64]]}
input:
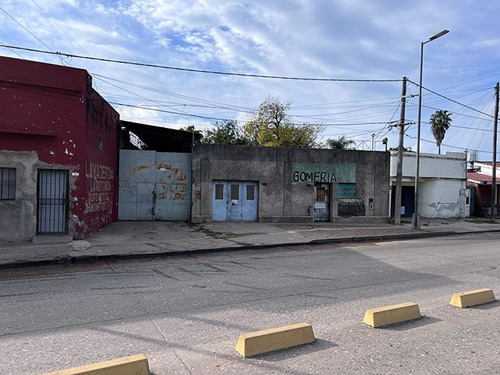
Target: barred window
{"points": [[235, 192], [7, 183], [250, 192], [219, 191]]}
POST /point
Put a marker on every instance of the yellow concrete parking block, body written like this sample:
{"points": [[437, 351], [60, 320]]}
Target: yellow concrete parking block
{"points": [[253, 343], [472, 298], [386, 315], [133, 365]]}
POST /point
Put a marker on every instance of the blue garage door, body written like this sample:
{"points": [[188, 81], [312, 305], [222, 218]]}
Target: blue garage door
{"points": [[235, 201]]}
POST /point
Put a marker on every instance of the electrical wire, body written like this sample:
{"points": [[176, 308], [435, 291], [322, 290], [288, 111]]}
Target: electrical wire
{"points": [[451, 100], [201, 70], [27, 30]]}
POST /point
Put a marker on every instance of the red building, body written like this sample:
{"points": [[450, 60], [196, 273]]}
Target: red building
{"points": [[58, 152], [480, 179]]}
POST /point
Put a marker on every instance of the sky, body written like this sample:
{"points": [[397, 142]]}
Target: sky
{"points": [[340, 63]]}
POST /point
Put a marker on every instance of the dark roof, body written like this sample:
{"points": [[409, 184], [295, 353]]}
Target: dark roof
{"points": [[162, 139]]}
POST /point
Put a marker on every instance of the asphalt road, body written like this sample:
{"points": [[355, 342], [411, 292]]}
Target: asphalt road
{"points": [[186, 313]]}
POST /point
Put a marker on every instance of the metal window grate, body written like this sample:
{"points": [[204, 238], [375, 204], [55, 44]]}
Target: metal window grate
{"points": [[250, 192], [351, 207], [219, 191], [7, 183], [52, 201], [235, 192]]}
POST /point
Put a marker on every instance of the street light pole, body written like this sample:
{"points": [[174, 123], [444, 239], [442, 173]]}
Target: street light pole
{"points": [[416, 216]]}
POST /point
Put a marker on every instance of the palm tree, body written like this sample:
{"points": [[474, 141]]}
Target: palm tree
{"points": [[440, 122], [341, 143]]}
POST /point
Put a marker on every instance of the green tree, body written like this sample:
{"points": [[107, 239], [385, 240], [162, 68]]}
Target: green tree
{"points": [[273, 127], [440, 123], [191, 129], [341, 143], [405, 149], [226, 132]]}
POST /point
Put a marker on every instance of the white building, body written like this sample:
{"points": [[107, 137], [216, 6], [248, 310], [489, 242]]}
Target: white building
{"points": [[443, 189]]}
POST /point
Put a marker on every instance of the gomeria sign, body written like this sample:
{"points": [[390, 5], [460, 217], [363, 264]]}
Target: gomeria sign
{"points": [[324, 173]]}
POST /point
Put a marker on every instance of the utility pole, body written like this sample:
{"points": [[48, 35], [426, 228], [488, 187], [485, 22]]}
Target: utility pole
{"points": [[399, 170], [494, 196], [373, 142]]}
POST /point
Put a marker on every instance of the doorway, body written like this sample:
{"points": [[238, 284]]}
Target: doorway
{"points": [[321, 202], [235, 201], [52, 201]]}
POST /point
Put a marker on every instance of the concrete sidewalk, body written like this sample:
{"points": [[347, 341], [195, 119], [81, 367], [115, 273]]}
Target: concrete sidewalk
{"points": [[133, 239]]}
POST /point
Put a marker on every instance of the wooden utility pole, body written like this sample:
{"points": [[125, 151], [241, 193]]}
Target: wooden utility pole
{"points": [[494, 197], [399, 170]]}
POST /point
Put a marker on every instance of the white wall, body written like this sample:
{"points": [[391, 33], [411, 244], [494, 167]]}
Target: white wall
{"points": [[440, 198], [442, 182], [449, 165]]}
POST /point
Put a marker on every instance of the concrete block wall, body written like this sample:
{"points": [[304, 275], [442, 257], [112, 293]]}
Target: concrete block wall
{"points": [[280, 198]]}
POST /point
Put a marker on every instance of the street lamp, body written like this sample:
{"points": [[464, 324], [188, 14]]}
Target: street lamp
{"points": [[416, 217]]}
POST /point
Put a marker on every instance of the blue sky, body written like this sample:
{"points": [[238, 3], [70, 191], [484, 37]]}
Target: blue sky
{"points": [[339, 39]]}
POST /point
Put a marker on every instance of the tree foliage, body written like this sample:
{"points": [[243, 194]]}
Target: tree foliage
{"points": [[191, 129], [272, 126], [341, 143], [440, 122], [405, 149], [226, 132]]}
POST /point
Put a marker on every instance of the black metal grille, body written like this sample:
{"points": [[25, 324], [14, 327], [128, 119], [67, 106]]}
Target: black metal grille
{"points": [[52, 201], [351, 207], [7, 183]]}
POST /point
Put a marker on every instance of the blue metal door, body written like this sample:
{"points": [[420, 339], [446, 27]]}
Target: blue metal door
{"points": [[249, 201], [234, 205], [235, 201], [219, 201]]}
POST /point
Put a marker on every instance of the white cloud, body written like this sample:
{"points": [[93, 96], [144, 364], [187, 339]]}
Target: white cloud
{"points": [[337, 39]]}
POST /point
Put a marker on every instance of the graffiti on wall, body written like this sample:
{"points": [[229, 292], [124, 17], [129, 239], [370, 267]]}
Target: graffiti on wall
{"points": [[154, 186], [100, 187], [172, 182], [324, 173]]}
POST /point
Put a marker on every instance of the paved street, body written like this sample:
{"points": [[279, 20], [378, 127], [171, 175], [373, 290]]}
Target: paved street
{"points": [[186, 313]]}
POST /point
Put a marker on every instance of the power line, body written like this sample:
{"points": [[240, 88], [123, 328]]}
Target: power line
{"points": [[171, 112], [15, 52], [222, 119], [163, 92], [201, 70], [446, 145], [452, 100], [27, 30]]}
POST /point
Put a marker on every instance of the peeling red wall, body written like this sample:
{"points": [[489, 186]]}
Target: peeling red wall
{"points": [[54, 111], [101, 163]]}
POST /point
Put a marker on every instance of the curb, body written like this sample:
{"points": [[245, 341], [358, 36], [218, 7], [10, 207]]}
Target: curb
{"points": [[392, 237], [360, 239]]}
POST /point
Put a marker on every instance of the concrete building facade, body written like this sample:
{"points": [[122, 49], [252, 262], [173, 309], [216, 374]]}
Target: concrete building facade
{"points": [[267, 184], [58, 152]]}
